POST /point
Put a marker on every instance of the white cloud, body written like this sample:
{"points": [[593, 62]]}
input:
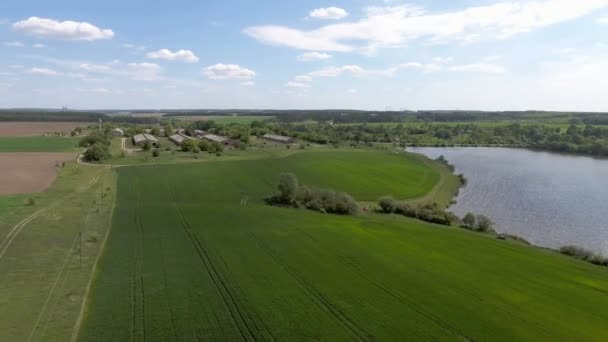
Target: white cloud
{"points": [[180, 55], [228, 71], [94, 90], [332, 13], [294, 84], [144, 71], [303, 78], [313, 56], [248, 84], [38, 46], [479, 68], [14, 44], [352, 91], [65, 30], [425, 67], [602, 20], [42, 71], [94, 67], [337, 71], [397, 26]]}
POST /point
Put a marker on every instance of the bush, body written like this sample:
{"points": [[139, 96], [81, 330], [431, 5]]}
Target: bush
{"points": [[388, 204], [583, 254], [290, 193], [147, 146], [484, 224], [189, 145], [30, 201], [97, 152], [155, 153], [469, 220]]}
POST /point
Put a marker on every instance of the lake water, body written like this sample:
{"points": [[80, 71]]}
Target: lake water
{"points": [[549, 199]]}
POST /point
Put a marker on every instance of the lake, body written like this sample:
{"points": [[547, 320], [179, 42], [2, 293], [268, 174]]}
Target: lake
{"points": [[549, 199]]}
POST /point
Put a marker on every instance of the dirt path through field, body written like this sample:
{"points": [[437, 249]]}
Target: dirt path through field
{"points": [[14, 232]]}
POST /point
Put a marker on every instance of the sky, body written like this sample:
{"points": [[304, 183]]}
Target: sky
{"points": [[313, 54]]}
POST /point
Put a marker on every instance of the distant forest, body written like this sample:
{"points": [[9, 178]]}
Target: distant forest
{"points": [[287, 116]]}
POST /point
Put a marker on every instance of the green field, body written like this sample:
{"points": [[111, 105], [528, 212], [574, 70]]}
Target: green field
{"points": [[195, 254], [44, 278], [38, 144]]}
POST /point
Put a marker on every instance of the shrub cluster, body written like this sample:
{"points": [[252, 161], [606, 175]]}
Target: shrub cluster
{"points": [[478, 223], [583, 254], [291, 193], [425, 212], [98, 146]]}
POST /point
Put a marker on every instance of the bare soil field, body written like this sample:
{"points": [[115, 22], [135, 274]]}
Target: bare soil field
{"points": [[27, 129], [25, 172]]}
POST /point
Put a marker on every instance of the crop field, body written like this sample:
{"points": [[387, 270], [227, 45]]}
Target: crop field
{"points": [[26, 129], [25, 172], [47, 252], [38, 144], [195, 254]]}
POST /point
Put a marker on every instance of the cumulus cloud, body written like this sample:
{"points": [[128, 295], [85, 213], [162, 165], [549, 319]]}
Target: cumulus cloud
{"points": [[42, 71], [331, 13], [94, 67], [399, 25], [313, 56], [180, 55], [64, 30], [479, 68], [228, 71]]}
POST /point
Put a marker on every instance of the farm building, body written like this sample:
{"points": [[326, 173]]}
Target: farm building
{"points": [[217, 138], [279, 138], [178, 139], [140, 139], [199, 133], [117, 132]]}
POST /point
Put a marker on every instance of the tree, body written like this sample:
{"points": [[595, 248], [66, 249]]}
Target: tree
{"points": [[204, 145], [97, 152], [155, 131], [188, 145], [484, 224], [288, 188], [388, 204], [469, 220], [155, 153], [147, 146]]}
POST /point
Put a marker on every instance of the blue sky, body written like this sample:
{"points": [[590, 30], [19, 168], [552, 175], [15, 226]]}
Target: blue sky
{"points": [[362, 54]]}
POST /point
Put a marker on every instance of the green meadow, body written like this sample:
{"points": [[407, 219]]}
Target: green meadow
{"points": [[195, 254], [38, 144]]}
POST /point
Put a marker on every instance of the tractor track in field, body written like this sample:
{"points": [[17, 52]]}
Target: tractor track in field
{"points": [[394, 294], [167, 296], [137, 272], [314, 294], [16, 230], [229, 302]]}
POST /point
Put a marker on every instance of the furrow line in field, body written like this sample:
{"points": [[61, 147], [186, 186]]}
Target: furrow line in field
{"points": [[315, 295], [394, 294], [167, 297], [245, 332], [138, 291]]}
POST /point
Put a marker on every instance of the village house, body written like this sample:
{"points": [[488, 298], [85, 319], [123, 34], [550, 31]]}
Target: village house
{"points": [[117, 132], [217, 138], [178, 139], [279, 138], [141, 139]]}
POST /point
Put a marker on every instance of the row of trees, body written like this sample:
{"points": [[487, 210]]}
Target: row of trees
{"points": [[429, 212], [290, 193], [202, 145]]}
